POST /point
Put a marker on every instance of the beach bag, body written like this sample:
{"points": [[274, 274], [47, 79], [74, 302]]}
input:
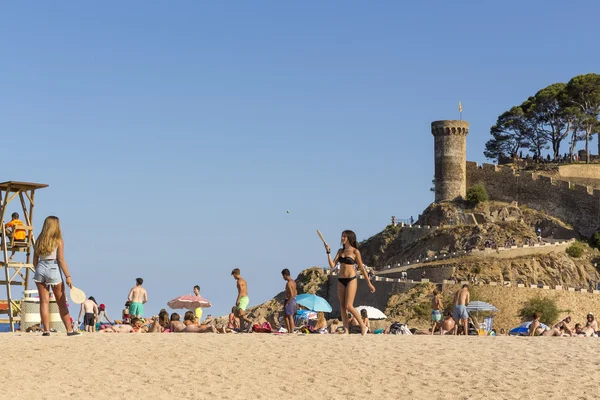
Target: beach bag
{"points": [[399, 329]]}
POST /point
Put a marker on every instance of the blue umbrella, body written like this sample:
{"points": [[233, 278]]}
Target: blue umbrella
{"points": [[313, 302], [523, 328]]}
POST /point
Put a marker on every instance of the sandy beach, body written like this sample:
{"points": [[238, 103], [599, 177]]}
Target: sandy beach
{"points": [[257, 366]]}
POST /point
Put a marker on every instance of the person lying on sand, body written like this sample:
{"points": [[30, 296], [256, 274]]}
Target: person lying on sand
{"points": [[584, 331], [135, 327], [176, 325], [191, 325]]}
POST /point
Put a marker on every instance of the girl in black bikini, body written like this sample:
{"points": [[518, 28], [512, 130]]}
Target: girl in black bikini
{"points": [[347, 256]]}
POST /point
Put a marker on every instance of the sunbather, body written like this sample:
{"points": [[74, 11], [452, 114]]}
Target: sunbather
{"points": [[584, 331], [534, 327], [447, 325]]}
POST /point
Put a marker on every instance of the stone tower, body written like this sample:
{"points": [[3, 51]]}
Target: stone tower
{"points": [[450, 146]]}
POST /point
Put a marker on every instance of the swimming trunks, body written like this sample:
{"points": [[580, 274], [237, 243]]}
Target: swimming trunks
{"points": [[290, 307], [346, 281], [136, 309], [460, 312], [436, 316], [89, 319], [243, 303]]}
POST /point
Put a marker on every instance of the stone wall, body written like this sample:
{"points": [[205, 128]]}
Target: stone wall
{"points": [[575, 204], [383, 289]]}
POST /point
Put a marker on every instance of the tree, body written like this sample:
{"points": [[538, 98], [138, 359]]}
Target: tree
{"points": [[508, 135], [549, 115], [533, 128], [584, 93]]}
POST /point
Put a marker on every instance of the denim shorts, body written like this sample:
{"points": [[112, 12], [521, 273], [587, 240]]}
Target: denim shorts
{"points": [[48, 272]]}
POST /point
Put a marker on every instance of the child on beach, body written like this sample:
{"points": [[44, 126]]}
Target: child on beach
{"points": [[138, 297], [347, 256], [125, 314], [48, 257]]}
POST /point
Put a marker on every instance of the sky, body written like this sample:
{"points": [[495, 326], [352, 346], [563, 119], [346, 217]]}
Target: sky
{"points": [[175, 136]]}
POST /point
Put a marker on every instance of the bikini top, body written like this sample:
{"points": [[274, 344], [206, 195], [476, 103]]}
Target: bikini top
{"points": [[346, 260]]}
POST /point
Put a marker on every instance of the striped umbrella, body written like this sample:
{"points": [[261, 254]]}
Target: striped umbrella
{"points": [[189, 302]]}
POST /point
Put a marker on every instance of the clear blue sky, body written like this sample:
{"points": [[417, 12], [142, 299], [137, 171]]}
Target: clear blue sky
{"points": [[175, 136]]}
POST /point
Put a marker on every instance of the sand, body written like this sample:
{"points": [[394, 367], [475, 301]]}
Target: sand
{"points": [[261, 366]]}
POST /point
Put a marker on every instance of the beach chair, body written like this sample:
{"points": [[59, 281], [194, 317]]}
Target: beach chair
{"points": [[303, 317]]}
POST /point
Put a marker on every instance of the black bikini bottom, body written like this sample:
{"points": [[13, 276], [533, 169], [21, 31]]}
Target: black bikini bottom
{"points": [[346, 281]]}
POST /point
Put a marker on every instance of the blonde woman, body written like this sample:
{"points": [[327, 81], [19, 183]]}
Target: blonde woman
{"points": [[321, 325], [347, 256], [48, 256]]}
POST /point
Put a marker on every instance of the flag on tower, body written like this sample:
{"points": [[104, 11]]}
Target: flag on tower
{"points": [[459, 107]]}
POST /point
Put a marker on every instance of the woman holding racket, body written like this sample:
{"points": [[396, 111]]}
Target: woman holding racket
{"points": [[48, 256], [347, 256]]}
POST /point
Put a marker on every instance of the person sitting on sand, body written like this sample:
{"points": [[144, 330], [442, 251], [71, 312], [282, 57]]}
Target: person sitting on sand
{"points": [[321, 325], [125, 316], [591, 322], [447, 325], [192, 326], [334, 326], [584, 331], [233, 322], [175, 324], [534, 327], [564, 326], [355, 326]]}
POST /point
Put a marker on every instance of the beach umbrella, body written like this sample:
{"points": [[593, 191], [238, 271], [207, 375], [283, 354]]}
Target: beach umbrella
{"points": [[523, 328], [480, 306], [372, 312], [313, 302], [189, 302]]}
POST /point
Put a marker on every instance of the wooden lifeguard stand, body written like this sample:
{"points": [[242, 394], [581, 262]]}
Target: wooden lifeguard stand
{"points": [[16, 273]]}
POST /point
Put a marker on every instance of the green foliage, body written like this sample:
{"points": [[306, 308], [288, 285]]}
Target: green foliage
{"points": [[575, 250], [595, 240], [476, 194], [547, 118], [546, 306]]}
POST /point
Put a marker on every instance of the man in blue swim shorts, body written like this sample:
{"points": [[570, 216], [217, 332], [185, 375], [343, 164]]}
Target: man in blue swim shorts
{"points": [[289, 303], [462, 298], [436, 311]]}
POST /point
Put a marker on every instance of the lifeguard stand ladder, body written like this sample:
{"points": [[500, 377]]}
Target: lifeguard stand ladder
{"points": [[16, 273]]}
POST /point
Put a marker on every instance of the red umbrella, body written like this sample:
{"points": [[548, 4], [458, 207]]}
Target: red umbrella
{"points": [[188, 301]]}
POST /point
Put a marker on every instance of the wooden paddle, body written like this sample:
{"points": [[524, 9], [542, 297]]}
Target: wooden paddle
{"points": [[77, 295], [321, 236]]}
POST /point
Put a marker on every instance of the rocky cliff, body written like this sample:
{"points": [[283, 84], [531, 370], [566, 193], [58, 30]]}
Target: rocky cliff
{"points": [[459, 228]]}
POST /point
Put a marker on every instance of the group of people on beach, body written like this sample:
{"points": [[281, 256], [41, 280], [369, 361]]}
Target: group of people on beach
{"points": [[563, 329], [50, 267]]}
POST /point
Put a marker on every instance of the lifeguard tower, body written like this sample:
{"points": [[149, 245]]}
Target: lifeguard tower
{"points": [[16, 273]]}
